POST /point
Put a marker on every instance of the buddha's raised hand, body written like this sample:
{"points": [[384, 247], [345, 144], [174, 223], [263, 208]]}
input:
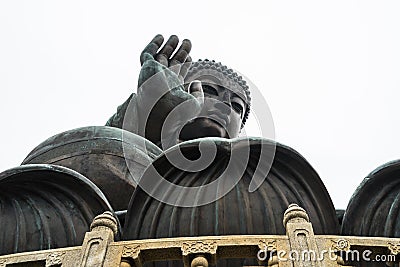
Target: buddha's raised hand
{"points": [[161, 88]]}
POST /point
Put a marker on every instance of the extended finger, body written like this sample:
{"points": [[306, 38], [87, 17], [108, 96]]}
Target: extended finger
{"points": [[169, 47], [182, 53], [152, 47], [185, 67], [180, 56], [162, 59]]}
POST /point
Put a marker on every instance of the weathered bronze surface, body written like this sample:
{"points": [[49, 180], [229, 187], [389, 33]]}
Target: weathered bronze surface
{"points": [[46, 206], [339, 215], [100, 153], [98, 248], [290, 180], [374, 209], [217, 99], [43, 207]]}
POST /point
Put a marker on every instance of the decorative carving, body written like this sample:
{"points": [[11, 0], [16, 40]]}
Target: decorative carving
{"points": [[295, 214], [54, 259], [267, 245], [199, 247], [341, 245], [3, 263], [107, 220], [394, 248], [131, 252]]}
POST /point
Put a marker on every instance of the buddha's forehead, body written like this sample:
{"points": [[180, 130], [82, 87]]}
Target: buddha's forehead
{"points": [[214, 77]]}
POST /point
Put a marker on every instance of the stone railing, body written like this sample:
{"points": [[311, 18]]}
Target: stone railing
{"points": [[298, 248]]}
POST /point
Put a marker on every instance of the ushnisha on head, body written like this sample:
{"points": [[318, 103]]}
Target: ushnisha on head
{"points": [[226, 101]]}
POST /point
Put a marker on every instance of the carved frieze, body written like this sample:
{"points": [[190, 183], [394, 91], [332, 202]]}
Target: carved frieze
{"points": [[54, 259], [131, 252], [194, 247], [394, 248], [341, 244], [267, 245]]}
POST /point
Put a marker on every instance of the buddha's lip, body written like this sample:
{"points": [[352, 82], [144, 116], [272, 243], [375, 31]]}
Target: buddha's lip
{"points": [[223, 122], [215, 121], [215, 118], [222, 125]]}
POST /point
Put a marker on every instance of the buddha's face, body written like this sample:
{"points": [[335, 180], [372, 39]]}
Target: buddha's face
{"points": [[222, 112]]}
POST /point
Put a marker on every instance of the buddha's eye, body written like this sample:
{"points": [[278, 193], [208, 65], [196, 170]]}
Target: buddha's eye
{"points": [[237, 107], [209, 90]]}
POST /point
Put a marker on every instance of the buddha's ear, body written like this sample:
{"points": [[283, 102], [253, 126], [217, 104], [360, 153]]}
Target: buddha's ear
{"points": [[243, 121], [241, 126]]}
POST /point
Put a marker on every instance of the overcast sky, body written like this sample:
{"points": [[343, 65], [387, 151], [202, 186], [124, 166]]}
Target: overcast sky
{"points": [[329, 71]]}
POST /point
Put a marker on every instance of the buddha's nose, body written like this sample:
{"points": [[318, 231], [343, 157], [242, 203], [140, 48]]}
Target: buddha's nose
{"points": [[224, 107]]}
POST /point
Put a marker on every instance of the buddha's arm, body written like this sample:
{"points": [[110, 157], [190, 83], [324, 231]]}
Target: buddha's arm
{"points": [[117, 119]]}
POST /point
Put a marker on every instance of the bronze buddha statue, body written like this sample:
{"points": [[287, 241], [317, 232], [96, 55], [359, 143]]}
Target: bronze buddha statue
{"points": [[217, 98], [177, 100]]}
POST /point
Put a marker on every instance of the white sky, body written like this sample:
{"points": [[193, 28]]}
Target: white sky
{"points": [[329, 71]]}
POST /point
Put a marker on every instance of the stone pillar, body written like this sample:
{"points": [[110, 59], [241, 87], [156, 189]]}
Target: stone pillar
{"points": [[303, 247], [94, 247]]}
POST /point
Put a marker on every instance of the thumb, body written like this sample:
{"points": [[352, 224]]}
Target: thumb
{"points": [[145, 56], [196, 90]]}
